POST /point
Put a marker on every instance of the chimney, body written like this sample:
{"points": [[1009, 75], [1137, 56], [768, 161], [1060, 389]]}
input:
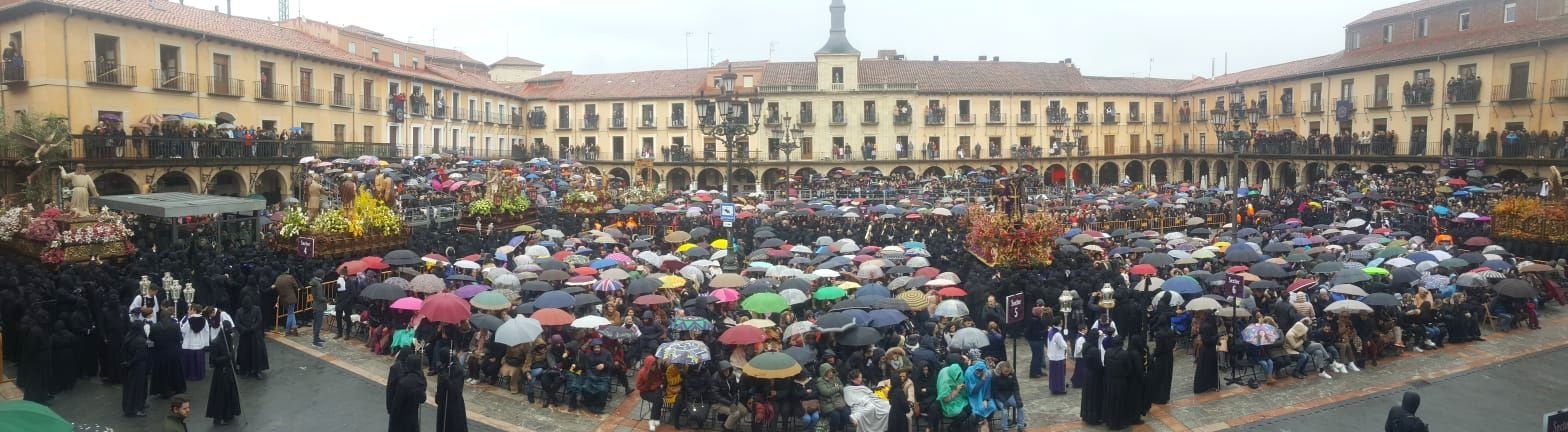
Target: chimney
{"points": [[936, 58], [887, 54], [995, 58], [982, 58]]}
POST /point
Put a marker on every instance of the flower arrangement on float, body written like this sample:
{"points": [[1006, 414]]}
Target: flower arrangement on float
{"points": [[1531, 219], [53, 237], [1002, 240], [367, 225]]}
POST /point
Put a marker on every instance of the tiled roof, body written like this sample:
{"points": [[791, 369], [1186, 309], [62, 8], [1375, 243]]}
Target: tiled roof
{"points": [[447, 53], [677, 83], [946, 76], [1124, 85], [1407, 8], [1470, 41], [515, 61], [468, 79]]}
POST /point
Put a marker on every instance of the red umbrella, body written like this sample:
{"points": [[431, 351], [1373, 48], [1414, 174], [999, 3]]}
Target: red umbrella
{"points": [[1143, 270], [1299, 284], [445, 308], [474, 257], [1236, 269], [585, 271], [1457, 182], [927, 272], [561, 256], [1478, 241], [742, 335], [374, 263], [651, 300], [352, 267], [552, 317], [952, 291]]}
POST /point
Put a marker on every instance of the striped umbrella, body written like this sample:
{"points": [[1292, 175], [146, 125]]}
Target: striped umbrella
{"points": [[915, 299]]}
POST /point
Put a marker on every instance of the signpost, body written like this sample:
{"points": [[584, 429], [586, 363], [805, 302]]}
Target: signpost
{"points": [[727, 214], [1555, 421], [1235, 285], [306, 247], [1015, 315]]}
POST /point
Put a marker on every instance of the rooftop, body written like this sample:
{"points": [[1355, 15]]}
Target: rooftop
{"points": [[180, 204], [516, 61]]}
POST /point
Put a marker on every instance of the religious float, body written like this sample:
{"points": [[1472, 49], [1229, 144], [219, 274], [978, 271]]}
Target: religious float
{"points": [[366, 226], [1012, 240], [55, 237], [1531, 219], [503, 206]]}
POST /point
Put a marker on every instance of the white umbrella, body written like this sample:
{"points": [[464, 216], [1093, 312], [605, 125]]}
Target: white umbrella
{"points": [[939, 283], [1399, 262], [952, 308], [553, 233], [968, 338], [536, 251], [590, 322], [825, 273], [1149, 284], [466, 264], [794, 296], [799, 327], [949, 276], [518, 331], [1348, 306], [1203, 303], [1348, 289]]}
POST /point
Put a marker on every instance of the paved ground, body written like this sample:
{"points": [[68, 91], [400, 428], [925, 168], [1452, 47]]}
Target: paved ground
{"points": [[1510, 396], [300, 393]]}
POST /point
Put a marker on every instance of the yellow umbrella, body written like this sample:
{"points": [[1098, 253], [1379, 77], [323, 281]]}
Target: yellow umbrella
{"points": [[685, 247], [672, 281], [719, 244], [849, 285], [1222, 245]]}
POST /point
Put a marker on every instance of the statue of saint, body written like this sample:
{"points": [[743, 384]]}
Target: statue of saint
{"points": [[82, 190], [346, 191], [313, 195], [384, 188]]}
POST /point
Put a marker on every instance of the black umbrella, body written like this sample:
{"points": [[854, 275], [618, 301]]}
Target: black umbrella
{"points": [[764, 235], [1268, 270], [1402, 278], [1350, 276], [772, 243], [1264, 284], [1277, 247], [526, 309], [899, 270], [537, 286], [401, 257], [1472, 257], [460, 277], [833, 322], [585, 299], [553, 275], [551, 264], [485, 321], [1241, 253], [795, 283], [1515, 288], [1380, 299], [697, 252], [1157, 260], [802, 355], [859, 336], [382, 291], [640, 286]]}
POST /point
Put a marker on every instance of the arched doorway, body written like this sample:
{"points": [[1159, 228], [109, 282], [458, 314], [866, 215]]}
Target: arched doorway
{"points": [[934, 172], [1316, 171], [270, 184], [1109, 173], [1083, 174], [1203, 172], [1378, 169], [1134, 171], [773, 178], [963, 170], [1261, 172], [1186, 171], [116, 184], [226, 183], [904, 172], [1160, 171], [1512, 175], [1242, 179], [806, 173], [1221, 174], [871, 170], [680, 179], [1056, 174], [620, 173], [710, 179], [594, 170], [743, 181], [837, 172], [175, 181], [1344, 168], [649, 176], [1287, 174]]}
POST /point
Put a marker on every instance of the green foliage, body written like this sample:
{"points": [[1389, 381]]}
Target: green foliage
{"points": [[40, 141]]}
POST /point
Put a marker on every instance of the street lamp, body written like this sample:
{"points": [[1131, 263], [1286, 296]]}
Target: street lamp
{"points": [[787, 134], [1068, 143], [731, 124]]}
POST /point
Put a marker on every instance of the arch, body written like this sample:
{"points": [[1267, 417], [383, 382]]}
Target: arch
{"points": [[839, 171], [1186, 171], [1287, 174], [1026, 168], [1378, 169], [175, 181], [1160, 171], [1344, 167], [962, 170], [710, 179], [772, 177], [1512, 175], [743, 180], [1134, 170], [1002, 170], [648, 175], [1261, 172], [271, 184], [1315, 171], [1056, 174], [595, 170], [1221, 172], [116, 184], [680, 179], [227, 183], [1109, 173], [1457, 173], [1241, 175], [621, 173], [1416, 169], [902, 171], [874, 171], [1083, 174], [1203, 171], [934, 171], [806, 173]]}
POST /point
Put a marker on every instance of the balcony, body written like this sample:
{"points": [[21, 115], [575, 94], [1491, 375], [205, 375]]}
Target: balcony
{"points": [[1418, 97], [537, 119], [107, 73], [342, 100], [965, 118], [1560, 89], [806, 118], [838, 119], [772, 119], [271, 92], [1057, 118], [1157, 118], [1082, 118], [439, 112], [707, 120], [370, 103], [648, 122], [1026, 118], [1513, 93], [186, 151], [869, 118], [1464, 90], [1312, 107], [1025, 152], [474, 116], [903, 119], [414, 108], [1110, 118], [176, 81], [936, 117], [995, 117], [590, 122], [311, 96], [1201, 117], [515, 119], [563, 123], [1285, 109], [679, 121], [1185, 118], [1134, 117], [617, 122], [221, 86], [14, 72], [1379, 101]]}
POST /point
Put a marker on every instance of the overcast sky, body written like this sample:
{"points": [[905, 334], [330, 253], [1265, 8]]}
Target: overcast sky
{"points": [[1161, 38]]}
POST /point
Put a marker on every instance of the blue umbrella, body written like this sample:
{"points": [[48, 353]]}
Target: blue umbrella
{"points": [[1300, 241], [886, 317], [1499, 265], [555, 299], [860, 315], [604, 263], [1183, 285], [516, 241], [1440, 210], [1421, 256], [914, 245], [873, 291]]}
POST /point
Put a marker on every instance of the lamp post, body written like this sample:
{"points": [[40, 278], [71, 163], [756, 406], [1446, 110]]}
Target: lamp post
{"points": [[1068, 144], [1234, 139], [788, 133], [731, 124], [1065, 303]]}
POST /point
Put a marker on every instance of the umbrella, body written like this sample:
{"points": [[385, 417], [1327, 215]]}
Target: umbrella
{"points": [[491, 300], [951, 308], [31, 417], [1260, 334], [1515, 288], [1535, 267], [968, 338], [552, 317], [1350, 276], [1328, 267], [401, 257], [686, 352], [445, 308], [742, 335], [835, 322], [760, 323], [765, 303], [485, 321], [1380, 299], [651, 300], [382, 291], [1183, 285], [1143, 270], [771, 365], [801, 355], [408, 304], [619, 333], [690, 323], [797, 328], [469, 291], [794, 296], [518, 331], [886, 317], [1347, 306], [554, 299], [426, 284], [829, 293], [915, 299], [590, 322], [1202, 303], [865, 336]]}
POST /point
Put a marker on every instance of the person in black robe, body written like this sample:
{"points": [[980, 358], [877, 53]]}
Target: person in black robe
{"points": [[451, 412], [1206, 376], [1403, 418], [133, 390], [112, 328], [252, 351], [1091, 404], [223, 398], [1160, 365], [168, 379], [33, 375], [406, 393], [1120, 378]]}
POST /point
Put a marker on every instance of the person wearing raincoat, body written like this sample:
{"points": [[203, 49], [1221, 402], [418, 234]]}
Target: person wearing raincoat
{"points": [[977, 384], [950, 390]]}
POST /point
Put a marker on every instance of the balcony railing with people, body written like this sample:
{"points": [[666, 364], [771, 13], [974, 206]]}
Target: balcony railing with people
{"points": [[221, 86], [1083, 118], [119, 148], [936, 116], [175, 81], [1464, 89], [839, 119], [272, 92], [1027, 152], [590, 122], [370, 103], [417, 109], [14, 71], [995, 117], [1057, 116], [1419, 93], [309, 96], [677, 121], [1379, 101], [1027, 118], [516, 119], [1516, 92], [342, 100], [110, 73], [647, 122], [806, 118], [537, 119], [1110, 118], [868, 118], [617, 122], [903, 118]]}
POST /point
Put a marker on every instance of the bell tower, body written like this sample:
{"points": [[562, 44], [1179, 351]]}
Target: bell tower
{"points": [[838, 62]]}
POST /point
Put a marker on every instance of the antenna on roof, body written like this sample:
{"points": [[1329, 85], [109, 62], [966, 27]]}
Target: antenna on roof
{"points": [[772, 46], [283, 10]]}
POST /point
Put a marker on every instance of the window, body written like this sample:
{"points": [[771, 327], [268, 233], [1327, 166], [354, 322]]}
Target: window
{"points": [[746, 81], [375, 54], [369, 134], [838, 75], [339, 132], [1467, 70], [1347, 88], [1353, 41], [1510, 12], [1423, 29], [1464, 19], [353, 48], [1388, 33], [397, 59]]}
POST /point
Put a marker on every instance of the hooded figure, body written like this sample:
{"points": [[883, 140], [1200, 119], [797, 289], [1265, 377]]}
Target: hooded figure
{"points": [[252, 352], [1161, 363], [223, 398], [168, 378], [977, 382], [1091, 402], [451, 412], [1123, 379], [947, 380], [1403, 418], [133, 391], [406, 393]]}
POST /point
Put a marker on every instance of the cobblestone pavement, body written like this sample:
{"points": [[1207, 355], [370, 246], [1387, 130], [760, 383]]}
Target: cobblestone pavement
{"points": [[1230, 407]]}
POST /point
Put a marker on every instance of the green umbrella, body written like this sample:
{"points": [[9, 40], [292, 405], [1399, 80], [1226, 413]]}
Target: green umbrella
{"points": [[32, 417], [1297, 258], [829, 293], [765, 303], [771, 365], [1392, 252], [1375, 271], [490, 300], [1453, 263]]}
